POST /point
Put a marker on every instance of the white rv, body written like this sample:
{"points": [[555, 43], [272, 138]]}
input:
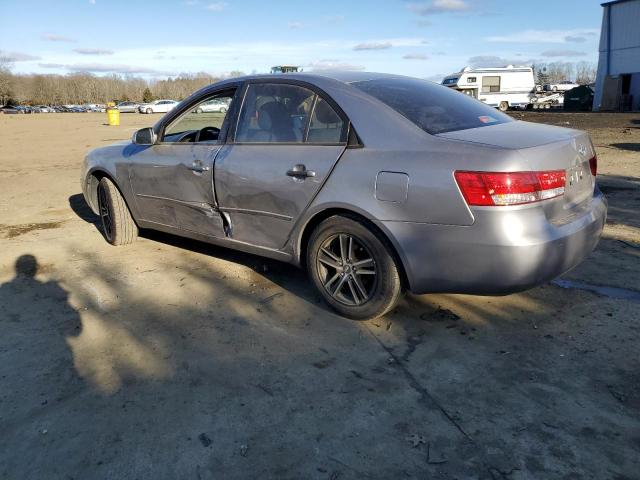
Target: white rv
{"points": [[503, 87]]}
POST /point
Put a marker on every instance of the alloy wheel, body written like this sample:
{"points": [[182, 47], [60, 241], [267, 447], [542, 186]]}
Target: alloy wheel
{"points": [[347, 269], [105, 212]]}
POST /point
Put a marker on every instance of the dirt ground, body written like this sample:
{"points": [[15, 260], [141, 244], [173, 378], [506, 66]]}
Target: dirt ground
{"points": [[174, 359]]}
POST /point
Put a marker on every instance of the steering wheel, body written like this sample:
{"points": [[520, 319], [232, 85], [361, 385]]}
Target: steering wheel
{"points": [[211, 132]]}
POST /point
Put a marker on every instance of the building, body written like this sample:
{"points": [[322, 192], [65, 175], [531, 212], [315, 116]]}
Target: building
{"points": [[618, 79]]}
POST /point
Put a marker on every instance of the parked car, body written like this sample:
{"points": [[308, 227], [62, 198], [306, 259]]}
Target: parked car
{"points": [[24, 109], [44, 109], [374, 183], [128, 107], [159, 106], [94, 107], [213, 106], [10, 110], [561, 86]]}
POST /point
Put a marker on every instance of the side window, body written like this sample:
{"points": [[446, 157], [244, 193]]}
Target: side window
{"points": [[490, 84], [274, 113], [471, 79], [202, 122], [326, 125]]}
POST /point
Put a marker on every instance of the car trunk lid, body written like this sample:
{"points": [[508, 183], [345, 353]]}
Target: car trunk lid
{"points": [[544, 148]]}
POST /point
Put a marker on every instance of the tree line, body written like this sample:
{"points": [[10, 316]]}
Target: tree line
{"points": [[583, 73], [82, 88]]}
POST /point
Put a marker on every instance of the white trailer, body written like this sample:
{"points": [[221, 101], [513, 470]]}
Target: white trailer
{"points": [[547, 101], [503, 87]]}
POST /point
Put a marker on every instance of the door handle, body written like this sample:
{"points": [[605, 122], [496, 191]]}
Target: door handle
{"points": [[301, 172]]}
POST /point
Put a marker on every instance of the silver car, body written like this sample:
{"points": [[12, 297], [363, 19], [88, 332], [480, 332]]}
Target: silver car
{"points": [[374, 183], [127, 107]]}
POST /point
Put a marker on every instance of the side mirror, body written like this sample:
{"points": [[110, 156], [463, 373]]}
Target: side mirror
{"points": [[144, 136]]}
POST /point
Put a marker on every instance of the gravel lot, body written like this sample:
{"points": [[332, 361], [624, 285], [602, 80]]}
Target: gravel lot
{"points": [[174, 359]]}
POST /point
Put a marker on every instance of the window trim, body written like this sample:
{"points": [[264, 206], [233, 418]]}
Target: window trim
{"points": [[346, 124]]}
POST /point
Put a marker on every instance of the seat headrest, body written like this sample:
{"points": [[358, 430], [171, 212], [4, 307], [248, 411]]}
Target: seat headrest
{"points": [[271, 114]]}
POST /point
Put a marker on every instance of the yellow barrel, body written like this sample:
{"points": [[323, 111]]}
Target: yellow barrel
{"points": [[113, 114]]}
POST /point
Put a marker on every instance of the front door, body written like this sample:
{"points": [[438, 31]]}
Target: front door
{"points": [[173, 180], [287, 141]]}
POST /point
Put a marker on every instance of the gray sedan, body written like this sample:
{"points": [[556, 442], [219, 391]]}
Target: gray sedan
{"points": [[374, 183]]}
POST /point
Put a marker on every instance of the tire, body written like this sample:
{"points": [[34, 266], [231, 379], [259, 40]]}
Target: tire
{"points": [[149, 110], [118, 226], [223, 110], [199, 110], [503, 107], [359, 296], [554, 89]]}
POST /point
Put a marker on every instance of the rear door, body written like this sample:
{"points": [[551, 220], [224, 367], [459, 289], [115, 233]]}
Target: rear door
{"points": [[173, 180], [287, 140]]}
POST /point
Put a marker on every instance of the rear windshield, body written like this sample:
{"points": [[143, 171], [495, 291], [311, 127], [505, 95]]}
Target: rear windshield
{"points": [[432, 107]]}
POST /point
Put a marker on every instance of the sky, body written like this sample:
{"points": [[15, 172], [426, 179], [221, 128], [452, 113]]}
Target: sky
{"points": [[421, 38]]}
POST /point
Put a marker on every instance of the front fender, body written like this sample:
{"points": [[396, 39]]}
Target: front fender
{"points": [[113, 162]]}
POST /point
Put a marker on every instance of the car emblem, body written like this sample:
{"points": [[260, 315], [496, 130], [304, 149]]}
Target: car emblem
{"points": [[582, 150]]}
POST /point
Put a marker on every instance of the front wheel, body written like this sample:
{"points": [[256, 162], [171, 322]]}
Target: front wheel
{"points": [[504, 106], [118, 225], [352, 267], [149, 110]]}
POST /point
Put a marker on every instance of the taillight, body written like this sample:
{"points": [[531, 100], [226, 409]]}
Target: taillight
{"points": [[510, 188], [593, 165]]}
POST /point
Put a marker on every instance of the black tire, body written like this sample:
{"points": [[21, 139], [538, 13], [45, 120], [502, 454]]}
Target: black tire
{"points": [[223, 110], [199, 110], [118, 225], [149, 111], [365, 282], [503, 107]]}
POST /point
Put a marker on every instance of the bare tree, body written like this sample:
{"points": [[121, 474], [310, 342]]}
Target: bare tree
{"points": [[6, 80]]}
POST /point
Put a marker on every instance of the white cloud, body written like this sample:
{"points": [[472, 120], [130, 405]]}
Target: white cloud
{"points": [[495, 61], [373, 46], [52, 37], [415, 56], [390, 42], [217, 6], [541, 36], [438, 6], [92, 2], [93, 51], [562, 53], [106, 68], [321, 65], [17, 56], [295, 25]]}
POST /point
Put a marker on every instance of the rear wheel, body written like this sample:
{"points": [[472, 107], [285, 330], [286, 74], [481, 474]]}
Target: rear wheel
{"points": [[352, 267], [504, 106], [149, 110], [118, 226], [199, 110]]}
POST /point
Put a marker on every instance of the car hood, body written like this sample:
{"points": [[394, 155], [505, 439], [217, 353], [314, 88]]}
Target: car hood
{"points": [[513, 135]]}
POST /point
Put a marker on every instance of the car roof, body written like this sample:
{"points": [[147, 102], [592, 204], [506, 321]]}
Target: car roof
{"points": [[344, 76]]}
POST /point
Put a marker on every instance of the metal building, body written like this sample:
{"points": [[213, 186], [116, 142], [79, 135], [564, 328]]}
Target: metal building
{"points": [[618, 79]]}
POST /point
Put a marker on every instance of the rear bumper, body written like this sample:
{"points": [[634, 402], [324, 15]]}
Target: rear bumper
{"points": [[504, 251]]}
